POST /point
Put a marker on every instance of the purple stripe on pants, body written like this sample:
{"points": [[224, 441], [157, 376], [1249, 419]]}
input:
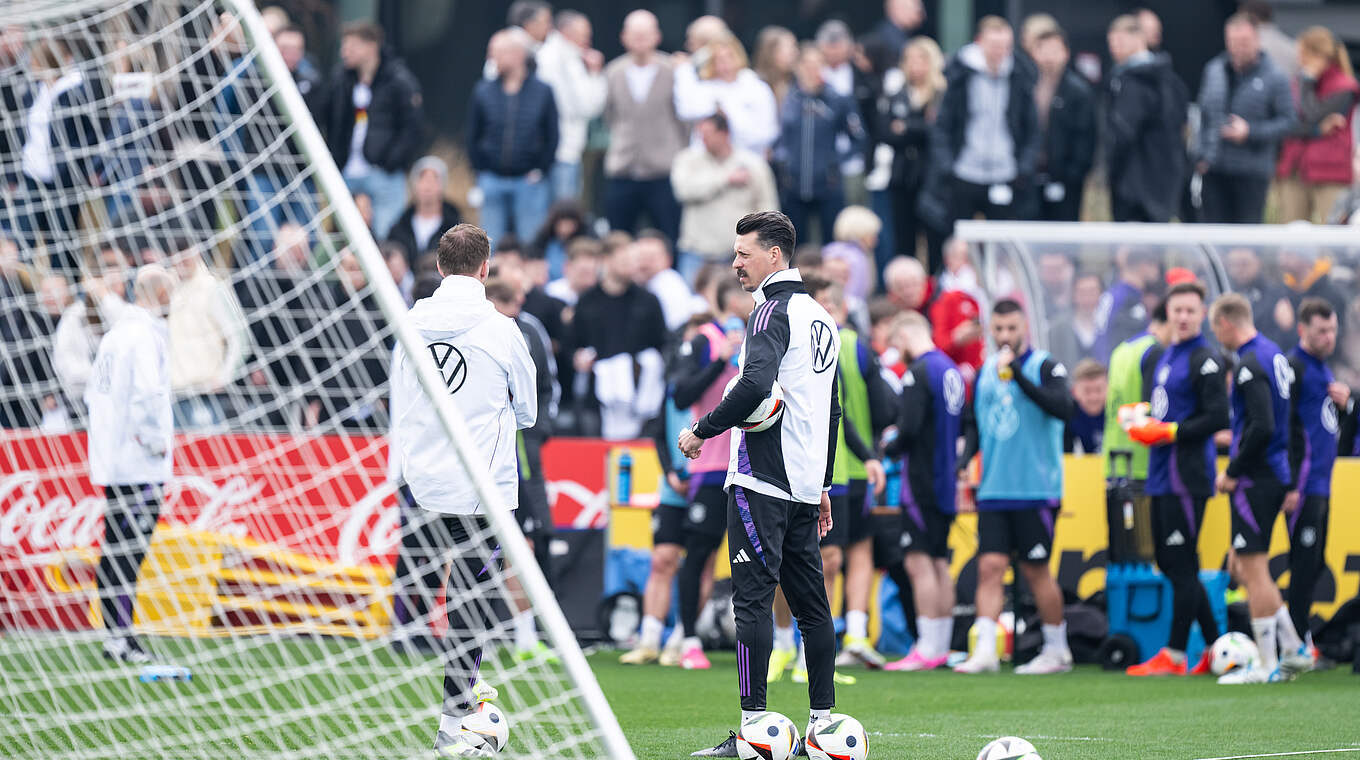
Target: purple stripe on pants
{"points": [[1243, 507], [1046, 516], [1183, 494]]}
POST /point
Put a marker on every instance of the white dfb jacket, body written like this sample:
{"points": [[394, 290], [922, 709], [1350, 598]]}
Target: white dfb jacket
{"points": [[792, 339], [489, 374], [132, 426]]}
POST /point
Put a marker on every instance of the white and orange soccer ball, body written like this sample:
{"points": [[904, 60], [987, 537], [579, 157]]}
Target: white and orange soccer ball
{"points": [[767, 413], [837, 737], [485, 728], [767, 736]]}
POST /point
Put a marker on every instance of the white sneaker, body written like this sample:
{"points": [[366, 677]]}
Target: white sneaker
{"points": [[976, 664], [1047, 663], [1244, 675], [126, 649], [1300, 661], [484, 692], [456, 746], [862, 652]]}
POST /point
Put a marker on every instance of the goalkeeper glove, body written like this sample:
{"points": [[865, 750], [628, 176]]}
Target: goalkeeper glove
{"points": [[1133, 415], [1154, 433]]}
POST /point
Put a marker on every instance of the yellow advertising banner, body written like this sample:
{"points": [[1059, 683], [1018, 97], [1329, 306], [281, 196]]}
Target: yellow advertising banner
{"points": [[1080, 539]]}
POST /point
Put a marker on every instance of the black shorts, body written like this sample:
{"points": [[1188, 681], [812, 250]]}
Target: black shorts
{"points": [[1176, 521], [1255, 505], [888, 537], [668, 525], [1025, 533], [839, 535], [926, 530], [1308, 525], [860, 510], [707, 512]]}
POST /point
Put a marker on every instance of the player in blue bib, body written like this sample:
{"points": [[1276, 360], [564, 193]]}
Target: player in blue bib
{"points": [[1020, 406]]}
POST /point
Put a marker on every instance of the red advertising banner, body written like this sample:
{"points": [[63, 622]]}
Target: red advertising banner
{"points": [[325, 497]]}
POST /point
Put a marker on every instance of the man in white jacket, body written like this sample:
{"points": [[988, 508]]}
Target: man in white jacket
{"points": [[490, 376], [575, 72], [130, 443]]}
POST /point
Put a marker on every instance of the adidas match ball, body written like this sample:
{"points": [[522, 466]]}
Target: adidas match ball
{"points": [[486, 728], [767, 736], [1009, 748], [838, 737], [766, 413], [1233, 651]]}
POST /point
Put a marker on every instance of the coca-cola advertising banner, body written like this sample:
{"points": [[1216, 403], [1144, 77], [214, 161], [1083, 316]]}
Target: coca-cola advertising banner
{"points": [[325, 496]]}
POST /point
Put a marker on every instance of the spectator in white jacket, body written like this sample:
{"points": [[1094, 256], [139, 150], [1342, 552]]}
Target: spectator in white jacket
{"points": [[575, 72], [720, 79], [717, 183], [486, 367], [130, 450], [207, 340]]}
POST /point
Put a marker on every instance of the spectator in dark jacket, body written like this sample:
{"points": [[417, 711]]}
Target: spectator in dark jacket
{"points": [[885, 43], [1144, 121], [1307, 272], [512, 141], [902, 124], [371, 116], [58, 156], [986, 138], [429, 216], [1271, 308], [1246, 107], [807, 163], [1067, 119]]}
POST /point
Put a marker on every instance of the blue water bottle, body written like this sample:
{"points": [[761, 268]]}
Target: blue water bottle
{"points": [[625, 484], [892, 471], [734, 324]]}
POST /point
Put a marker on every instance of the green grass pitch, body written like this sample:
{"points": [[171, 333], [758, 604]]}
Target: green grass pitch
{"points": [[666, 713]]}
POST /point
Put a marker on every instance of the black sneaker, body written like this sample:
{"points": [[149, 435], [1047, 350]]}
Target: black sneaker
{"points": [[728, 748]]}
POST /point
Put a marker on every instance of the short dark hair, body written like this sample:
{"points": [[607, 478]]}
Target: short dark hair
{"points": [[1008, 306], [727, 287], [390, 248], [522, 11], [815, 285], [1182, 288], [655, 234], [1159, 312], [1314, 307], [364, 30], [500, 290], [719, 121], [1260, 11], [772, 229], [509, 243], [463, 249], [426, 285]]}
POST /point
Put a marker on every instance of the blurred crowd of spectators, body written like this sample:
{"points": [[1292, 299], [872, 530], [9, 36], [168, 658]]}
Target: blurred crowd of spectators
{"points": [[874, 145]]}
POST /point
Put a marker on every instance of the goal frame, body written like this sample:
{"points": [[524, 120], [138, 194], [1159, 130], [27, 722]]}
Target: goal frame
{"points": [[330, 183]]}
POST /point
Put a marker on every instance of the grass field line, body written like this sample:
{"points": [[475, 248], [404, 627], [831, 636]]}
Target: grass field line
{"points": [[1038, 737], [1287, 754]]}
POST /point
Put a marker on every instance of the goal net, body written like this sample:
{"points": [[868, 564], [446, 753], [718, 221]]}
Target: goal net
{"points": [[291, 599], [1082, 283]]}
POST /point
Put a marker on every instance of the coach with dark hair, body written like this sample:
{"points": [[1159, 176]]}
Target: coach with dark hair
{"points": [[778, 479]]}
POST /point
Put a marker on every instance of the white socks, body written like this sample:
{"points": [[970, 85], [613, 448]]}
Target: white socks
{"points": [[677, 638], [526, 636], [1263, 630], [935, 635], [1055, 637], [857, 624], [783, 638], [1177, 656], [986, 639], [1284, 625], [748, 714], [651, 633], [691, 642]]}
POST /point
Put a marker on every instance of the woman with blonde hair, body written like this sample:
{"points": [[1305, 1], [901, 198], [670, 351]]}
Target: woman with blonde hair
{"points": [[776, 54], [720, 79], [1315, 159], [901, 125]]}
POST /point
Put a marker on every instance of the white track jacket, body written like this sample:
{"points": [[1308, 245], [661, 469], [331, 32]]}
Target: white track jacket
{"points": [[132, 427], [489, 374]]}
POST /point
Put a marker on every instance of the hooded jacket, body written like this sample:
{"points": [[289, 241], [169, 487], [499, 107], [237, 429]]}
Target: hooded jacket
{"points": [[1144, 148], [959, 109], [490, 375], [131, 423]]}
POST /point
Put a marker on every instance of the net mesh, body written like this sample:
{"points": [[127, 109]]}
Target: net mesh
{"points": [[299, 588]]}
